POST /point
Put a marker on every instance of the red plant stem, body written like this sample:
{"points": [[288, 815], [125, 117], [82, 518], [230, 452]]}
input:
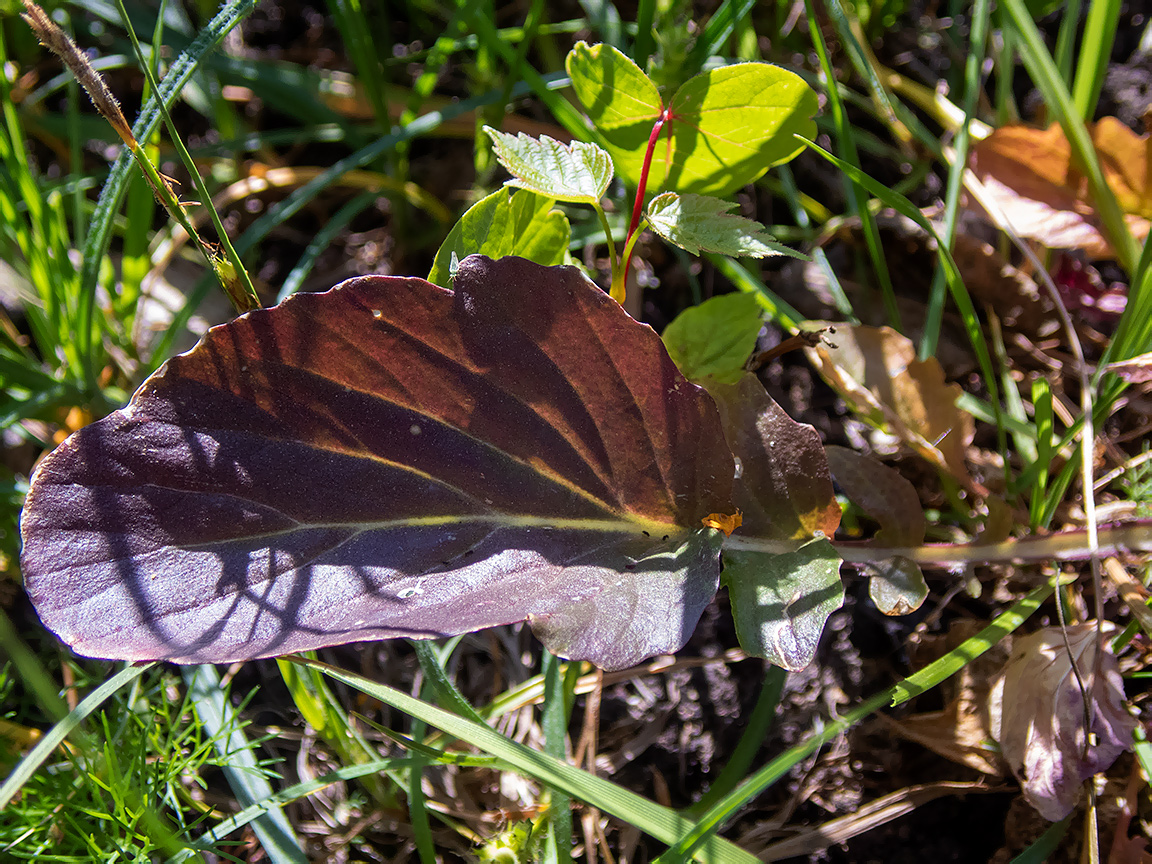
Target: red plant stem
{"points": [[638, 207]]}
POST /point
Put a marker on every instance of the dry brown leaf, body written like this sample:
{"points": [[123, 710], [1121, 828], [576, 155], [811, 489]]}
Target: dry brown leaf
{"points": [[1037, 715], [1030, 175], [876, 371]]}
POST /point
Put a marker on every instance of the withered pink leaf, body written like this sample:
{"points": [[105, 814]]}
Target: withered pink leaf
{"points": [[1037, 716], [391, 458]]}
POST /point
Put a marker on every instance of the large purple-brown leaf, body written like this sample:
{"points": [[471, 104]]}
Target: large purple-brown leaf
{"points": [[391, 458]]}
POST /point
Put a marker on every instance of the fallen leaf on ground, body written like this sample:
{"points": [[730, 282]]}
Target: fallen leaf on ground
{"points": [[1037, 716], [1030, 175], [876, 371]]}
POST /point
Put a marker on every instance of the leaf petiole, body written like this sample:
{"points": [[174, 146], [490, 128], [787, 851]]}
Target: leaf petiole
{"points": [[638, 206]]}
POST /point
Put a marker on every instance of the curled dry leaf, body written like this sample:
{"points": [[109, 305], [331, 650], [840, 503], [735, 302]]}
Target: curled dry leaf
{"points": [[1037, 716], [391, 458], [1031, 176], [876, 371]]}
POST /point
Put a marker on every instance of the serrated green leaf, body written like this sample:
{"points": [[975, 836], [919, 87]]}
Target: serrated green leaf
{"points": [[695, 222], [578, 172], [715, 338], [507, 222]]}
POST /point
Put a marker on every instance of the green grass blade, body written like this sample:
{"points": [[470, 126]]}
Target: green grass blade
{"points": [[845, 135], [959, 293], [331, 229], [248, 784], [1044, 845], [927, 678], [644, 45], [563, 110], [554, 721], [56, 735], [973, 63], [756, 729], [1095, 53], [660, 822], [207, 842], [778, 309], [112, 195], [720, 27]]}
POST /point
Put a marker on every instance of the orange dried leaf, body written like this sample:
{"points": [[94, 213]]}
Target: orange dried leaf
{"points": [[722, 522], [876, 371], [1030, 175]]}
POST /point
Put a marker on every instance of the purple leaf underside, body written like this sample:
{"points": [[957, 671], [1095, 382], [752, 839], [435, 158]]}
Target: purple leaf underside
{"points": [[386, 459]]}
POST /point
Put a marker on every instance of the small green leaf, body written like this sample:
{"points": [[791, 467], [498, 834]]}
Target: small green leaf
{"points": [[578, 173], [621, 101], [715, 338], [507, 222], [695, 222], [780, 602]]}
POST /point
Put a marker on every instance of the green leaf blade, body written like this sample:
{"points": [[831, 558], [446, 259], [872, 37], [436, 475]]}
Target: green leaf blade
{"points": [[578, 173], [701, 222], [732, 124], [715, 338], [509, 222], [781, 602]]}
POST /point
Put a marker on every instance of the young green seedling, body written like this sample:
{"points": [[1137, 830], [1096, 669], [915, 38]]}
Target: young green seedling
{"points": [[720, 131]]}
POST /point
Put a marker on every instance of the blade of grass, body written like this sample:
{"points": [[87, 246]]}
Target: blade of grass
{"points": [[973, 63], [1042, 415], [644, 45], [660, 822], [1095, 54], [56, 735], [846, 138], [839, 297], [207, 842], [720, 27], [778, 309], [927, 678], [959, 293], [335, 225], [112, 194], [756, 729], [554, 721], [563, 110], [234, 279], [244, 777]]}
